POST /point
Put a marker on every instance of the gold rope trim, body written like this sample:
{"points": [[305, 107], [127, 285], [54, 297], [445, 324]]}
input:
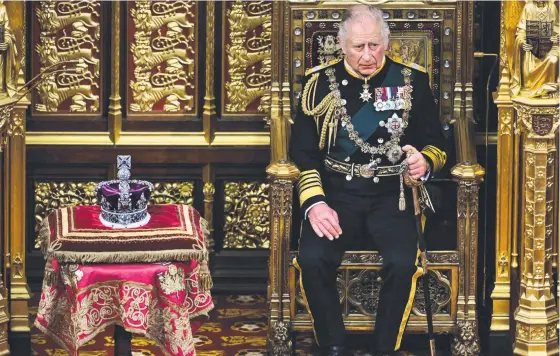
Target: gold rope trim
{"points": [[437, 156], [296, 265], [408, 308], [129, 256]]}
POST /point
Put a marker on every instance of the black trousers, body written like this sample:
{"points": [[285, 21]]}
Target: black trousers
{"points": [[363, 219]]}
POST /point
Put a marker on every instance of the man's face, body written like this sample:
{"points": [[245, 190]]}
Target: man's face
{"points": [[363, 45]]}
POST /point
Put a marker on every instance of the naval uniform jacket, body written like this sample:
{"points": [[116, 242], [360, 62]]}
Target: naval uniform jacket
{"points": [[322, 135]]}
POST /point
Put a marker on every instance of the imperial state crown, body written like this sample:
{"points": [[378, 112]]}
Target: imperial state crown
{"points": [[124, 201]]}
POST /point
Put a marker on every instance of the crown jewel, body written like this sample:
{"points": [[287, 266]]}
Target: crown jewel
{"points": [[124, 202]]}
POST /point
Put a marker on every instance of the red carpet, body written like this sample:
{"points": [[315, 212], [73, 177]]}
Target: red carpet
{"points": [[237, 327]]}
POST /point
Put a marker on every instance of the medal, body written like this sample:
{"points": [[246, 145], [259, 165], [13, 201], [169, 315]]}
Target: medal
{"points": [[394, 124], [365, 95]]}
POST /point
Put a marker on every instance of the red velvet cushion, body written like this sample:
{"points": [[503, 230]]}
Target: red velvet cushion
{"points": [[75, 235]]}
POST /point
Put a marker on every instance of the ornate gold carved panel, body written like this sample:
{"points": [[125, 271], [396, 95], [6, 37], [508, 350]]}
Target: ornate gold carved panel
{"points": [[246, 58], [420, 36], [68, 30], [50, 196], [162, 58], [173, 193], [246, 214]]}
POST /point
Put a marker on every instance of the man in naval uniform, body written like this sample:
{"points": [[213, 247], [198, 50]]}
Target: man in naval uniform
{"points": [[361, 122]]}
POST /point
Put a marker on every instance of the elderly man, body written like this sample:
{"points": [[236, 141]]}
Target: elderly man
{"points": [[361, 121]]}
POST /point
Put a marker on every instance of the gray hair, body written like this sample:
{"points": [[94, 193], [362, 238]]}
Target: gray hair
{"points": [[358, 11]]}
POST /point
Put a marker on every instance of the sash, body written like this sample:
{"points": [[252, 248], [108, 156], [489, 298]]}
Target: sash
{"points": [[367, 119]]}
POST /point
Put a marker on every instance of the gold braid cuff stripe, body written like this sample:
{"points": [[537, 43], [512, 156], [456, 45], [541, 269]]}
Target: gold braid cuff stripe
{"points": [[437, 156], [309, 185]]}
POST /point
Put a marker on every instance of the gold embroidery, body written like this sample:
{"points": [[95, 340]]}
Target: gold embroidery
{"points": [[71, 275], [296, 265], [172, 281], [408, 308]]}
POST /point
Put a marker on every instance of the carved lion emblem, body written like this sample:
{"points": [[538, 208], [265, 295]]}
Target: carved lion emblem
{"points": [[542, 124]]}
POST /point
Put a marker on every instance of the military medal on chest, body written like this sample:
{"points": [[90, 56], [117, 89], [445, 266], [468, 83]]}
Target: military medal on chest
{"points": [[365, 95]]}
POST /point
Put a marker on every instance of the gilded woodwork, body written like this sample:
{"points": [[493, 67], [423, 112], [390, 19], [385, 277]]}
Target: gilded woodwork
{"points": [[466, 340], [15, 253], [49, 196], [68, 30], [172, 193], [537, 315], [162, 60], [115, 106], [209, 109], [246, 214], [506, 247], [208, 191], [282, 176], [247, 71]]}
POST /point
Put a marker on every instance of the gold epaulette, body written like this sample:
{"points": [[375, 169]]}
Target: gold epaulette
{"points": [[321, 66], [415, 66]]}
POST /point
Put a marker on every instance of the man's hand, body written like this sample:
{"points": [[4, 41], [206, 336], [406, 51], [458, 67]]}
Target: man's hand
{"points": [[324, 221], [417, 164]]}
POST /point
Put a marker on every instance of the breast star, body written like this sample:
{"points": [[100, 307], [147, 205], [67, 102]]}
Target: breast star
{"points": [[365, 95]]}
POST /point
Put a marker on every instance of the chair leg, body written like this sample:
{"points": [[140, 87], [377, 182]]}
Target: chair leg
{"points": [[123, 342]]}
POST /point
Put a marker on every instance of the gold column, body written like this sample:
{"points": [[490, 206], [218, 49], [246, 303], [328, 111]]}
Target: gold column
{"points": [[537, 315], [19, 290], [209, 190], [468, 174], [209, 108], [281, 174], [5, 118], [504, 207], [115, 108]]}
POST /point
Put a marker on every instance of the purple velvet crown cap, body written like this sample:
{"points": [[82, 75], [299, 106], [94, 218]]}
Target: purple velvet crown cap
{"points": [[111, 193]]}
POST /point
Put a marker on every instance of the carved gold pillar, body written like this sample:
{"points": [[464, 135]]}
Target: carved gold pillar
{"points": [[504, 207], [537, 314], [209, 108], [6, 109], [468, 174], [468, 177], [115, 108], [281, 174], [15, 198], [208, 191]]}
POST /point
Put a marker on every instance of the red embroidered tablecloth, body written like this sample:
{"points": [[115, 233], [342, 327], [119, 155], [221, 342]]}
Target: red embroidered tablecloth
{"points": [[156, 300]]}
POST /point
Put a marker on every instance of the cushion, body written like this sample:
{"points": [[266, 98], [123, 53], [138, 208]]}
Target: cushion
{"points": [[76, 235]]}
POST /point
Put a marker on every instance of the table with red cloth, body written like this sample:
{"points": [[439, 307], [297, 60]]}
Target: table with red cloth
{"points": [[118, 280]]}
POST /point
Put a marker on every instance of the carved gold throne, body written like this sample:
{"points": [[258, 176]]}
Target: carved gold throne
{"points": [[436, 35]]}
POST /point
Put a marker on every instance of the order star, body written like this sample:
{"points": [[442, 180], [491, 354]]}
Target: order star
{"points": [[365, 95]]}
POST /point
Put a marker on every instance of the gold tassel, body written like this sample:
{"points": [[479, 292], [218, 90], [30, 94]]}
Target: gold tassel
{"points": [[204, 277], [50, 278], [402, 201]]}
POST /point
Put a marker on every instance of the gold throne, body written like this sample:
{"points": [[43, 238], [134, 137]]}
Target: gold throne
{"points": [[435, 35]]}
